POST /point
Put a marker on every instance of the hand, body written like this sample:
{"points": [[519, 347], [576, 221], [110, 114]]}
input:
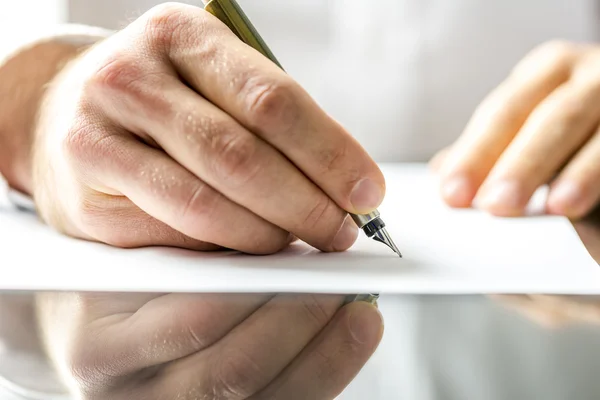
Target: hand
{"points": [[555, 311], [173, 132], [541, 125], [145, 346]]}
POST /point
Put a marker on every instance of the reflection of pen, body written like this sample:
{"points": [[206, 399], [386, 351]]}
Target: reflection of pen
{"points": [[230, 13]]}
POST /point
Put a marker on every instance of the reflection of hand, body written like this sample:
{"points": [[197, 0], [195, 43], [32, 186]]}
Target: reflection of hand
{"points": [[174, 132], [543, 121], [555, 311], [183, 346]]}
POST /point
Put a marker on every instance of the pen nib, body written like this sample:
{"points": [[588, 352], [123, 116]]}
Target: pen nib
{"points": [[384, 237]]}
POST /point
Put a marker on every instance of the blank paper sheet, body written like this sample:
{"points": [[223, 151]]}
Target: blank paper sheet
{"points": [[446, 251]]}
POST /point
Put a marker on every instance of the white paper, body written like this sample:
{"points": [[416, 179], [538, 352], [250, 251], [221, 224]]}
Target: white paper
{"points": [[445, 251]]}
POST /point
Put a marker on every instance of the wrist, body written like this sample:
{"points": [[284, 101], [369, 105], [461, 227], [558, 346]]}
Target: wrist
{"points": [[23, 79]]}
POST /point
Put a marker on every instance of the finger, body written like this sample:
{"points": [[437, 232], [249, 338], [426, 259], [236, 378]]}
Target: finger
{"points": [[231, 160], [169, 193], [118, 222], [560, 125], [499, 118], [576, 191], [266, 101], [257, 350], [333, 359]]}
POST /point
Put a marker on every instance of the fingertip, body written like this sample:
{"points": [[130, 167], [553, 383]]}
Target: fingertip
{"points": [[503, 198], [567, 199], [366, 196], [458, 191], [365, 322]]}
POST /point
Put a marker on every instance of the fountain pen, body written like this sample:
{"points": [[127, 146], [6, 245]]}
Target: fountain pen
{"points": [[232, 15]]}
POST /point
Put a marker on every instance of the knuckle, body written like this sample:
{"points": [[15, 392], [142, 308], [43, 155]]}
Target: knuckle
{"points": [[105, 220], [86, 142], [118, 73], [333, 158], [165, 22], [94, 219], [554, 54], [314, 311], [87, 367], [237, 375], [326, 367], [123, 82], [234, 158], [318, 212], [87, 146], [572, 115], [271, 103], [199, 208], [79, 139], [230, 151], [122, 75]]}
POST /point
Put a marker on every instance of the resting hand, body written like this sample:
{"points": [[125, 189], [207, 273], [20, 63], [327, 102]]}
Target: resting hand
{"points": [[542, 125]]}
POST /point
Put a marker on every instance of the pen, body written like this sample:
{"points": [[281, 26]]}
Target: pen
{"points": [[231, 14]]}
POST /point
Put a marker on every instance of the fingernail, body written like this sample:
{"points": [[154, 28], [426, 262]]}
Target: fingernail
{"points": [[503, 197], [366, 322], [346, 236], [458, 191], [566, 198], [366, 196]]}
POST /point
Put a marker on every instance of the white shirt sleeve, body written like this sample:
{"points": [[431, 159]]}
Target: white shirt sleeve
{"points": [[79, 35]]}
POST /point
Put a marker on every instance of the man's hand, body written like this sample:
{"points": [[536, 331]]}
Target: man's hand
{"points": [[542, 124], [192, 347], [174, 132]]}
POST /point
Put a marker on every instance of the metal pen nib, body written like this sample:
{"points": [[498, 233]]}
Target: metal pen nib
{"points": [[374, 227], [384, 237]]}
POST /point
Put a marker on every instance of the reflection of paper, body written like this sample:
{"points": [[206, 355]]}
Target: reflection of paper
{"points": [[445, 251]]}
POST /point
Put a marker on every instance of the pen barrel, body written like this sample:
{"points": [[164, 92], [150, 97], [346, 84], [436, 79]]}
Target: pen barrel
{"points": [[231, 14], [363, 219]]}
